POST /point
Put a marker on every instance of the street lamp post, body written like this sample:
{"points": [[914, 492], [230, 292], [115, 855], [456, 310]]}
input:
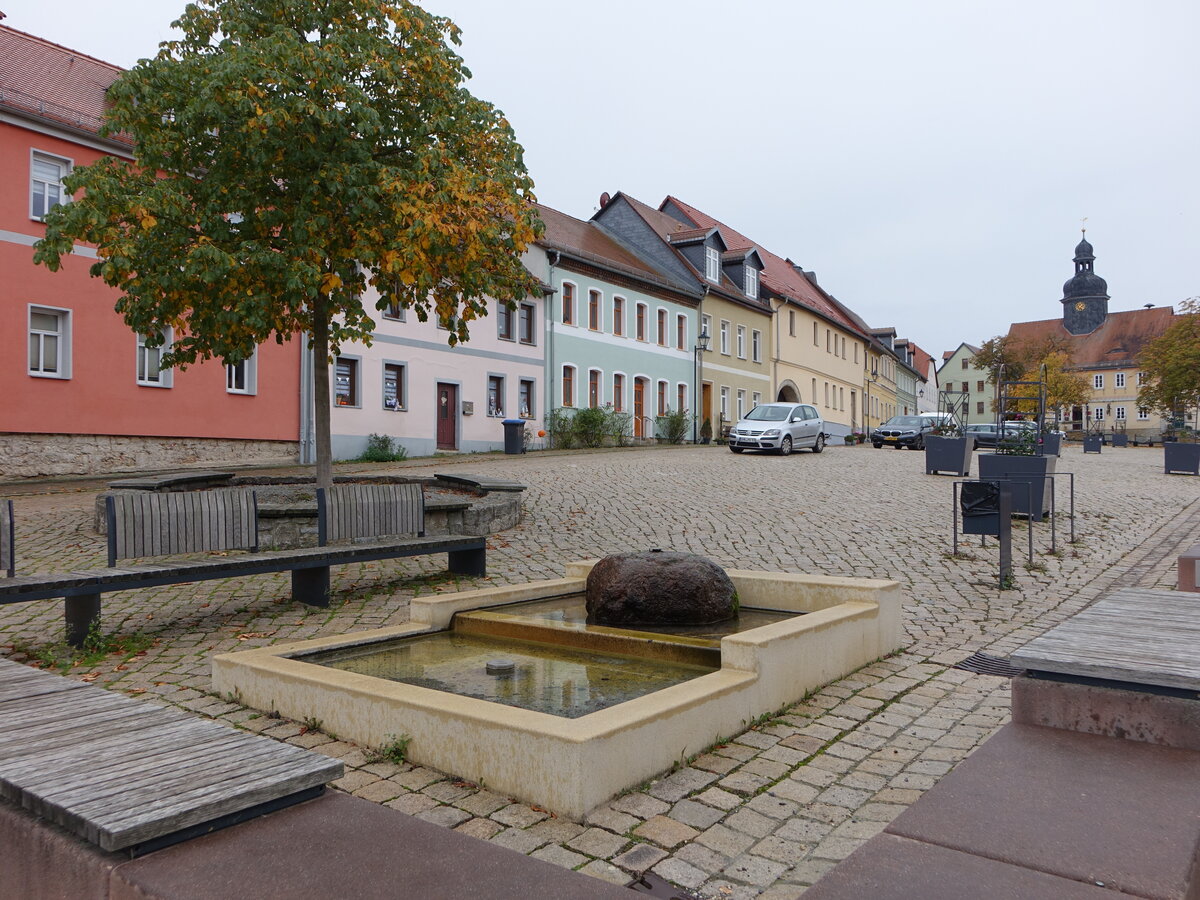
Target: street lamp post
{"points": [[697, 371]]}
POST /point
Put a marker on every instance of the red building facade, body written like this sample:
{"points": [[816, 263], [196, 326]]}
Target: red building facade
{"points": [[79, 393]]}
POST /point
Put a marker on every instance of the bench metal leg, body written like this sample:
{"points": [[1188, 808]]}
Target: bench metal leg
{"points": [[311, 586], [82, 613], [468, 562]]}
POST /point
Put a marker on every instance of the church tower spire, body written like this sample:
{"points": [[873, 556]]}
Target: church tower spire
{"points": [[1085, 295]]}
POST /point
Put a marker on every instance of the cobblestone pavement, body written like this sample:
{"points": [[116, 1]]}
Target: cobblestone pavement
{"points": [[774, 808]]}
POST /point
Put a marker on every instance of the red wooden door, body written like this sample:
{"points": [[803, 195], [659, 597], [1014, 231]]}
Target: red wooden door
{"points": [[447, 405], [639, 406]]}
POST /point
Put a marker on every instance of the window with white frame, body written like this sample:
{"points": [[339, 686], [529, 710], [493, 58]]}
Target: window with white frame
{"points": [[49, 342], [1143, 413], [1119, 381], [706, 326], [680, 331], [712, 264], [594, 376], [397, 313], [242, 377], [568, 386], [752, 282], [150, 372], [681, 393], [741, 342], [1098, 414], [346, 384], [791, 323], [618, 314], [1098, 382], [755, 399], [664, 405], [594, 317], [495, 395], [756, 345], [725, 337], [395, 383], [639, 331], [618, 394], [46, 173], [741, 403], [662, 328], [568, 303], [724, 402], [1141, 378], [815, 329], [1120, 413], [525, 398]]}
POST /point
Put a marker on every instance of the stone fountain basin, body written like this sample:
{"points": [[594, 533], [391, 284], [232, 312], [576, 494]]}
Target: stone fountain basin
{"points": [[573, 765]]}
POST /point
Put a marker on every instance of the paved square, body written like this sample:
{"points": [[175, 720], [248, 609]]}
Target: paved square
{"points": [[771, 810]]}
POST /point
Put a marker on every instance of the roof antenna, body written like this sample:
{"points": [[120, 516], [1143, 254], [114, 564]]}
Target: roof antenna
{"points": [[1083, 225]]}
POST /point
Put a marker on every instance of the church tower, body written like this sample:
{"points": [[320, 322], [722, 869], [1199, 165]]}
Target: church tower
{"points": [[1085, 295]]}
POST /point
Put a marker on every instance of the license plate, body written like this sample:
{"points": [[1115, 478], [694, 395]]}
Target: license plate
{"points": [[891, 439]]}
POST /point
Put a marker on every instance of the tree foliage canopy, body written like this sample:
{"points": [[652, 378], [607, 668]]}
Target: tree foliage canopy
{"points": [[1172, 364], [1023, 362], [289, 153]]}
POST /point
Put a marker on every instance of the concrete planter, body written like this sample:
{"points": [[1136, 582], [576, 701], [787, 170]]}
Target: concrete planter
{"points": [[1181, 458], [1120, 440], [951, 455], [1019, 471], [1092, 443]]}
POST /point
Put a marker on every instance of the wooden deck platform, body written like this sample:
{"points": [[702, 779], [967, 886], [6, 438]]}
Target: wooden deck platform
{"points": [[123, 773], [1137, 635]]}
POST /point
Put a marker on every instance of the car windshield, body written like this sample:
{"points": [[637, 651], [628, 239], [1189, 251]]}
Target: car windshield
{"points": [[910, 421], [769, 413]]}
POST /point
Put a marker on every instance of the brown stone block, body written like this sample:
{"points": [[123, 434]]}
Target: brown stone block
{"points": [[888, 867], [1171, 721], [1086, 808], [342, 846], [40, 860]]}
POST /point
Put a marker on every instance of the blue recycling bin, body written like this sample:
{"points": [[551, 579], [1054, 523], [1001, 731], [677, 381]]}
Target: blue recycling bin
{"points": [[514, 435]]}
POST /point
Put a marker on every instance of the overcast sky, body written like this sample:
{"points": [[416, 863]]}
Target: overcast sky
{"points": [[931, 161]]}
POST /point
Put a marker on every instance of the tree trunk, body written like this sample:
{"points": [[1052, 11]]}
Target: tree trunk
{"points": [[320, 336]]}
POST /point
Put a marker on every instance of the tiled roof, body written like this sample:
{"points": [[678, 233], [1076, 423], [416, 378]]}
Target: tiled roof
{"points": [[778, 274], [53, 82], [921, 359], [1118, 341], [688, 235], [667, 226], [575, 236]]}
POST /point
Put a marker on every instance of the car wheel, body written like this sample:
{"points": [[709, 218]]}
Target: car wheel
{"points": [[820, 444], [734, 449], [920, 444], [876, 446], [785, 447]]}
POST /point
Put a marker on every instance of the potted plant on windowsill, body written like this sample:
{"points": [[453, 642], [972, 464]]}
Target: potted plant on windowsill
{"points": [[948, 451], [1018, 460]]}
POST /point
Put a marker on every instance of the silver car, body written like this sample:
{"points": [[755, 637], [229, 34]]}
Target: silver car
{"points": [[781, 427]]}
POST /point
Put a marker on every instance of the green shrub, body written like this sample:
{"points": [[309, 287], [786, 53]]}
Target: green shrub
{"points": [[559, 427], [590, 425], [618, 426], [673, 425], [381, 448]]}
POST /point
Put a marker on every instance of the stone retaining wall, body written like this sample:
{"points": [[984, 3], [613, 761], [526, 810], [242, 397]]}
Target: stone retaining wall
{"points": [[38, 455]]}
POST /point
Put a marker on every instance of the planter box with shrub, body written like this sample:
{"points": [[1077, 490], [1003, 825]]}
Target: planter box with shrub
{"points": [[1019, 471], [951, 455]]}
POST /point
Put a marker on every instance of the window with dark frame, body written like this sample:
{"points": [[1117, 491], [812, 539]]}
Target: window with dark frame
{"points": [[495, 395], [640, 332], [526, 316], [594, 310], [662, 328], [619, 316], [504, 322], [525, 398], [568, 303], [618, 398], [568, 386], [594, 388], [681, 332], [393, 386], [345, 382]]}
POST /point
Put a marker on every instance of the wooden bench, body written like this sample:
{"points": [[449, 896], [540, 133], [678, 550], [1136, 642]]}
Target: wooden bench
{"points": [[148, 525], [131, 776]]}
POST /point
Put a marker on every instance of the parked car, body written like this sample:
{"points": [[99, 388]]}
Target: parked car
{"points": [[903, 431], [986, 435], [779, 427], [983, 434]]}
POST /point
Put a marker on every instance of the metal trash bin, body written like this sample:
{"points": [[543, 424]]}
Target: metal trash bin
{"points": [[979, 502], [514, 436]]}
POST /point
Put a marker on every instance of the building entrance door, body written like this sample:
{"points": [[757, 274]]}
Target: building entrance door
{"points": [[706, 402], [447, 420], [639, 407]]}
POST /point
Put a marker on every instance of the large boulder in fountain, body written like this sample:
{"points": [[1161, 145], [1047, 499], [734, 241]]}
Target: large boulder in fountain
{"points": [[659, 588]]}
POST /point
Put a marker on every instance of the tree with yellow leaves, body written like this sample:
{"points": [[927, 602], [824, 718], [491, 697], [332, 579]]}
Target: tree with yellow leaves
{"points": [[290, 154]]}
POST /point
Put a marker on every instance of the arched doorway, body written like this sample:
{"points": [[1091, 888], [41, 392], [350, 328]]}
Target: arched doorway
{"points": [[788, 393]]}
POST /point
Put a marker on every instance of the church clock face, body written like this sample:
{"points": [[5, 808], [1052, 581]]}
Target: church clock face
{"points": [[1080, 306]]}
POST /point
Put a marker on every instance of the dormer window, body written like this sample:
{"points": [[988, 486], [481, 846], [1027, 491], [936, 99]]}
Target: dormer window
{"points": [[752, 282], [712, 264]]}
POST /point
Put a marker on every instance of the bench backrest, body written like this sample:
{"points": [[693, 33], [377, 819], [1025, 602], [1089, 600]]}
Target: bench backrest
{"points": [[149, 524], [8, 552], [349, 511]]}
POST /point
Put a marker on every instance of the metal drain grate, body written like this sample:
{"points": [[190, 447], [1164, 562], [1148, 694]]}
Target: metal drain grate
{"points": [[989, 665]]}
